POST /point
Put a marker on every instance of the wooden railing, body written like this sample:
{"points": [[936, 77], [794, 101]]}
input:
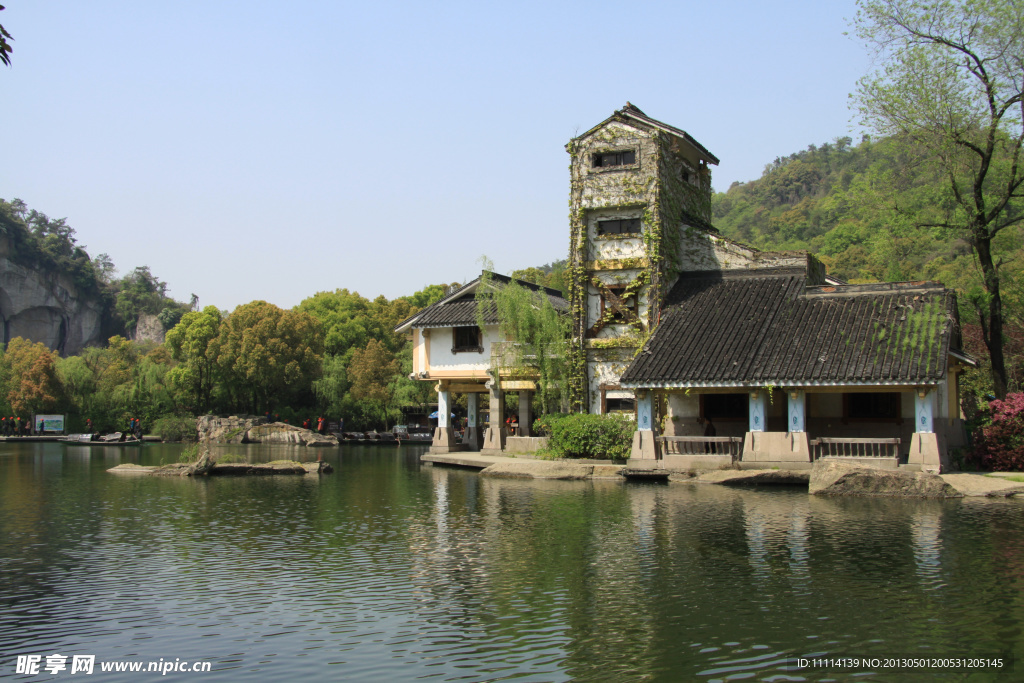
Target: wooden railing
{"points": [[854, 448], [701, 445]]}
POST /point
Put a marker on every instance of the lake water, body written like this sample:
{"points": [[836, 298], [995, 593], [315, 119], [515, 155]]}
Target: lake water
{"points": [[395, 571]]}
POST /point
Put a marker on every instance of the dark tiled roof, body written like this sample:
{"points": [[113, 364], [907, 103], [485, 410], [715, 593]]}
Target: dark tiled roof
{"points": [[454, 314], [743, 328], [633, 112], [459, 308]]}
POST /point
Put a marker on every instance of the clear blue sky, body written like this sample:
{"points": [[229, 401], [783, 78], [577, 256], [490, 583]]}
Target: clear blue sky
{"points": [[271, 150]]}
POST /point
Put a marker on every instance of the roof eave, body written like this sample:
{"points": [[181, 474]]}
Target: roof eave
{"points": [[779, 383]]}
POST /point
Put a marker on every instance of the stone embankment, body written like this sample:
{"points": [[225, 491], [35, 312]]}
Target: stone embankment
{"points": [[825, 478], [251, 429]]}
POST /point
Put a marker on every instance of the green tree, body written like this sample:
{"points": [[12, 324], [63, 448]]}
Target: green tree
{"points": [[264, 351], [192, 342], [5, 47], [374, 371], [950, 88], [539, 332], [28, 371], [139, 292]]}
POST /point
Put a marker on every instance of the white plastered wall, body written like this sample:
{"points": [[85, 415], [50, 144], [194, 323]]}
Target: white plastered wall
{"points": [[442, 359]]}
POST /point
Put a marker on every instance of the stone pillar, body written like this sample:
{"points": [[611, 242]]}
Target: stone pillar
{"points": [[797, 408], [494, 440], [474, 435], [644, 445], [525, 414], [758, 411], [444, 435]]}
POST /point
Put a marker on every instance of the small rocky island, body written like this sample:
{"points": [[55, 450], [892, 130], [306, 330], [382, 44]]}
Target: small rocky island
{"points": [[248, 429], [207, 466]]}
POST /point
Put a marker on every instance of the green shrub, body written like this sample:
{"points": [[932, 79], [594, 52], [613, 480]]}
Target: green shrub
{"points": [[591, 436], [187, 455], [542, 425], [175, 428]]}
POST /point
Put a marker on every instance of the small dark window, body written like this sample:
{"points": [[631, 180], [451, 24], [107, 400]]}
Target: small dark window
{"points": [[725, 406], [873, 406], [605, 159], [466, 339], [624, 226], [630, 304], [620, 405], [616, 404]]}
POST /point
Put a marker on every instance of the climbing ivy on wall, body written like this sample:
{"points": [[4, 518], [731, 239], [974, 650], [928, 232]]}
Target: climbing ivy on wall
{"points": [[670, 202]]}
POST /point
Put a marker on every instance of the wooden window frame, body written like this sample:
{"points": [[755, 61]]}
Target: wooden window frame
{"points": [[617, 319], [605, 388], [465, 348]]}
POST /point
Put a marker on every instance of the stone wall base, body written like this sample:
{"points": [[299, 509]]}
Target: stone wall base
{"points": [[928, 451], [494, 441], [644, 446], [784, 447], [444, 441], [775, 465], [525, 444], [696, 462]]}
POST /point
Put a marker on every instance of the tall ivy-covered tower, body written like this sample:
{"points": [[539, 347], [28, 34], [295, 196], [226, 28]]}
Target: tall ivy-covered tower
{"points": [[640, 201]]}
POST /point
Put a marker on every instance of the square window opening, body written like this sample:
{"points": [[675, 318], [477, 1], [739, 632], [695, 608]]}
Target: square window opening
{"points": [[619, 226], [466, 339], [872, 406], [725, 407], [621, 158]]}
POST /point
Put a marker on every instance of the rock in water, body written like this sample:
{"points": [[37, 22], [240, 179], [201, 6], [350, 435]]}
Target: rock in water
{"points": [[836, 478]]}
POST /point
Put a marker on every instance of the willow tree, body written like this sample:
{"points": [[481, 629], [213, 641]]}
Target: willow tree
{"points": [[950, 86], [539, 332]]}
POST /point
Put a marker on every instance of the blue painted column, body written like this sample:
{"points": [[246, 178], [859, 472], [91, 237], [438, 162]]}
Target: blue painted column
{"points": [[644, 445], [758, 410], [797, 408], [472, 402], [645, 410], [924, 410], [443, 410], [473, 437]]}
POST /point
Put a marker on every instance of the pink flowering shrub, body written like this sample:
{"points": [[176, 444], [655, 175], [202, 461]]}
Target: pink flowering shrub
{"points": [[999, 445]]}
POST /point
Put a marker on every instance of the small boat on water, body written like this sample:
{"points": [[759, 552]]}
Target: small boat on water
{"points": [[115, 439], [78, 438]]}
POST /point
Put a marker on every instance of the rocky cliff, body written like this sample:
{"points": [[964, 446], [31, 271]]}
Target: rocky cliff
{"points": [[45, 307]]}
